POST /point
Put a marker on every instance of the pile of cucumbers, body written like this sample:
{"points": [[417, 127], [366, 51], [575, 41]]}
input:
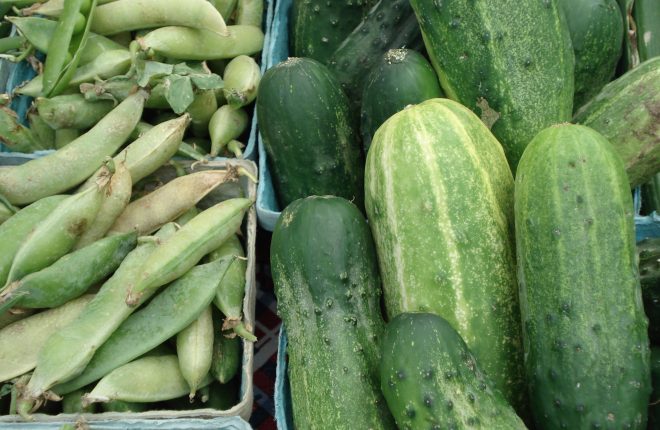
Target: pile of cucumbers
{"points": [[457, 247], [122, 265]]}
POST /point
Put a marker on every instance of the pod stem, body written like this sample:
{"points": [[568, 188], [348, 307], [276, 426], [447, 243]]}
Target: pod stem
{"points": [[243, 172], [235, 147], [241, 330], [8, 297]]}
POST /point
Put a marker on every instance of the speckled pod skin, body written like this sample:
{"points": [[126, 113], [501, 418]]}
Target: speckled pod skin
{"points": [[440, 249], [510, 61], [584, 328], [627, 113], [328, 288], [431, 380]]}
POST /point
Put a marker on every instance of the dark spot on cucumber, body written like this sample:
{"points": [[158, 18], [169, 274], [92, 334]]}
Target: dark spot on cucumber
{"points": [[410, 411], [557, 403], [588, 222], [528, 62], [579, 199], [454, 23], [449, 375], [558, 345], [326, 340], [578, 348], [566, 308], [564, 425], [471, 397], [473, 421], [596, 425], [391, 383], [401, 375], [427, 374], [553, 374], [580, 408], [571, 164], [596, 328], [549, 318], [450, 405]]}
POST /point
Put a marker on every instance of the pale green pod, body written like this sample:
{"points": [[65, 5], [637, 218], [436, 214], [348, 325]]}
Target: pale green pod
{"points": [[68, 351], [72, 111], [64, 136], [148, 379], [169, 202], [5, 213], [184, 43], [15, 136], [77, 161], [72, 403], [201, 110], [115, 199], [225, 7], [226, 124], [204, 233], [127, 15], [167, 314], [16, 229], [41, 131], [56, 235], [12, 317], [187, 216], [250, 12], [194, 347], [21, 341], [242, 77]]}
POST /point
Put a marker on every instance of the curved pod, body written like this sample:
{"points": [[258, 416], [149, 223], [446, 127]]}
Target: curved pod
{"points": [[441, 248], [584, 328]]}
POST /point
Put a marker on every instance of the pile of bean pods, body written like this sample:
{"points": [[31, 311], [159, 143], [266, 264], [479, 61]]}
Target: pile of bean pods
{"points": [[122, 289], [91, 54]]}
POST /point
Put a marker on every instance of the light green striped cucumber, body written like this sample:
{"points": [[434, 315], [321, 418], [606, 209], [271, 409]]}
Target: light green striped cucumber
{"points": [[510, 61], [194, 347], [442, 249], [586, 346]]}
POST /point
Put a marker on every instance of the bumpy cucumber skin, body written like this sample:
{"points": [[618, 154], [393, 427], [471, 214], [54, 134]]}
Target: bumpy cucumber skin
{"points": [[510, 61], [584, 328], [627, 113], [440, 249], [390, 24], [596, 30], [431, 379], [647, 20], [328, 289], [401, 77], [654, 406], [312, 143], [318, 27]]}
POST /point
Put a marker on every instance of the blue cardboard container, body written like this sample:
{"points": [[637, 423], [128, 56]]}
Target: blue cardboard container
{"points": [[13, 75]]}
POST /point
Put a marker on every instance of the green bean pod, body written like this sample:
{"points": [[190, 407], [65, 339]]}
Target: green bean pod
{"points": [[41, 131], [194, 348], [226, 124], [56, 235], [115, 199], [50, 8], [11, 43], [170, 201], [72, 111], [187, 216], [70, 276], [204, 233], [106, 65], [39, 32], [226, 358], [231, 291], [71, 165], [67, 352], [183, 43], [201, 110], [65, 46], [15, 230], [72, 403], [64, 136], [250, 12], [225, 7], [14, 135], [15, 315], [120, 406], [184, 149], [128, 15], [167, 314], [5, 213], [21, 341], [242, 77], [148, 379]]}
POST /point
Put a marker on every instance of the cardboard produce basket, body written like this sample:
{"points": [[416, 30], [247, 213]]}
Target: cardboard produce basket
{"points": [[233, 418]]}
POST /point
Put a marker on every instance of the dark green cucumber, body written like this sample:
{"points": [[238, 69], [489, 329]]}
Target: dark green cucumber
{"points": [[510, 61], [627, 113], [651, 195], [649, 274], [431, 380], [596, 30], [319, 26], [312, 144], [584, 328], [654, 405], [390, 24], [647, 22], [226, 351], [328, 289], [401, 77]]}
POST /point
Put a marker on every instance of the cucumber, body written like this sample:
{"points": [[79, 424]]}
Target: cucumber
{"points": [[440, 249], [627, 113], [584, 328], [390, 24], [596, 30], [318, 26], [649, 274], [400, 78], [328, 289], [311, 142], [510, 61], [430, 378], [654, 407], [647, 21], [651, 195]]}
